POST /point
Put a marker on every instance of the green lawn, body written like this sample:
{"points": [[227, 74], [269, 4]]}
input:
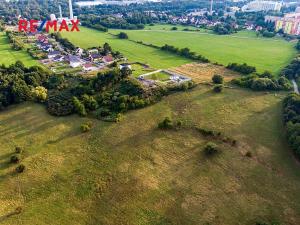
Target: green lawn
{"points": [[9, 56], [134, 52], [133, 173], [243, 47], [161, 76]]}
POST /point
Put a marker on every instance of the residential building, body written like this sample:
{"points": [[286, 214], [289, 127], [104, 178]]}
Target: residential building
{"points": [[258, 5]]}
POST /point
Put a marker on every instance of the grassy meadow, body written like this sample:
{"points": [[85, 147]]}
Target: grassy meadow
{"points": [[244, 47], [133, 173], [134, 52], [9, 56]]}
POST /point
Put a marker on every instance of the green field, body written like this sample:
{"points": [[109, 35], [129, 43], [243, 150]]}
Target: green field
{"points": [[243, 47], [134, 52], [133, 173], [9, 56]]}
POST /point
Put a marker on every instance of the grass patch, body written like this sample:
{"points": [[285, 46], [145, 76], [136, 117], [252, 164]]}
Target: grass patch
{"points": [[271, 54], [9, 56], [134, 173]]}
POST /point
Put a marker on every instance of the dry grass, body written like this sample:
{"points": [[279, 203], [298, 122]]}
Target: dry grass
{"points": [[203, 72]]}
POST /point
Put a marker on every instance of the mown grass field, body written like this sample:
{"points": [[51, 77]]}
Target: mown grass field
{"points": [[9, 56], [243, 47], [134, 52], [133, 173]]}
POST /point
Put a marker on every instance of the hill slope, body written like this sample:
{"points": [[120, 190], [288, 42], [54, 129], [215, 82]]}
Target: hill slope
{"points": [[133, 173]]}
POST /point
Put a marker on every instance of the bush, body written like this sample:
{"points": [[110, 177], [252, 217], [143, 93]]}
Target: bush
{"points": [[18, 150], [20, 168], [39, 94], [166, 124], [248, 154], [211, 149], [218, 79], [79, 107], [174, 28], [14, 159], [241, 68], [86, 127], [122, 35], [218, 88]]}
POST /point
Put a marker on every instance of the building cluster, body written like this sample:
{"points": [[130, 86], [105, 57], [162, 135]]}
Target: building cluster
{"points": [[289, 24], [57, 57], [259, 5]]}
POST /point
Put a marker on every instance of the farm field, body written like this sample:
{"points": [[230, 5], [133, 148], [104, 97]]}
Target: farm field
{"points": [[9, 56], [263, 53], [134, 52], [132, 173]]}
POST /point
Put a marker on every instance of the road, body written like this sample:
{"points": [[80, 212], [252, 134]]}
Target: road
{"points": [[296, 89]]}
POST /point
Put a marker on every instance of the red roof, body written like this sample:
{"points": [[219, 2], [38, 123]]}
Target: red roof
{"points": [[108, 58]]}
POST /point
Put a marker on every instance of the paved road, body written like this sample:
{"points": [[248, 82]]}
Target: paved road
{"points": [[296, 89]]}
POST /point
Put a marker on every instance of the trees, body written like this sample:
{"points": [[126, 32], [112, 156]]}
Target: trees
{"points": [[211, 149], [217, 79], [218, 88], [241, 68], [39, 93], [122, 35], [79, 107]]}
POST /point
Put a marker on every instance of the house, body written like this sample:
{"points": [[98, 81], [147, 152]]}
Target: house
{"points": [[79, 51], [108, 59], [52, 54], [95, 57], [58, 58], [89, 67], [74, 61], [125, 65]]}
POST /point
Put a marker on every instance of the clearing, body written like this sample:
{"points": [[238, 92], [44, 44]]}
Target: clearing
{"points": [[133, 173]]}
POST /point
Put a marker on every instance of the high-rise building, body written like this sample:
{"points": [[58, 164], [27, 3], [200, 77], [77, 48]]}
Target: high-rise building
{"points": [[259, 5]]}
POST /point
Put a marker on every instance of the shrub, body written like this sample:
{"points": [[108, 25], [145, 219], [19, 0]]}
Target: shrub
{"points": [[79, 107], [122, 35], [85, 127], [174, 28], [14, 159], [218, 88], [218, 79], [166, 124], [39, 94], [211, 149], [248, 154], [18, 150], [20, 168]]}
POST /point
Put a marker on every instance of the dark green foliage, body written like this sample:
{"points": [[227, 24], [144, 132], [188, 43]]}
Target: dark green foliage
{"points": [[167, 123], [260, 83], [16, 83], [14, 159], [79, 107], [241, 68], [185, 52], [268, 34], [218, 79], [89, 102], [174, 28], [122, 35], [298, 45], [20, 168], [291, 118], [205, 132], [218, 88], [60, 103], [223, 29], [211, 149], [292, 71]]}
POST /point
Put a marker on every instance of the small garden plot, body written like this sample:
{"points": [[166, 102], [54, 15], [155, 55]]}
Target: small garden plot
{"points": [[138, 69], [159, 76]]}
